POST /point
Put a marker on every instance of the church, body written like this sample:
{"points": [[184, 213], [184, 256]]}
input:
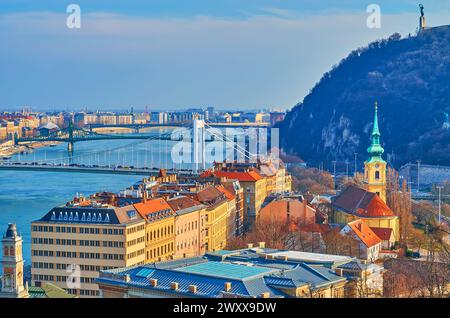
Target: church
{"points": [[368, 204]]}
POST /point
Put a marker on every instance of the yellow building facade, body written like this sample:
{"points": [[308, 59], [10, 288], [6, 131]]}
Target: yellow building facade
{"points": [[159, 229], [216, 227]]}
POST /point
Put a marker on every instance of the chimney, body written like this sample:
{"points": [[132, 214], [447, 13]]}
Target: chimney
{"points": [[192, 288], [153, 282], [265, 295], [262, 244], [227, 287], [249, 245], [174, 285], [144, 194], [288, 209]]}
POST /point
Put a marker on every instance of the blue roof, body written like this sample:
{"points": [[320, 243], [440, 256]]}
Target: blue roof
{"points": [[250, 275], [206, 286], [224, 252], [226, 270]]}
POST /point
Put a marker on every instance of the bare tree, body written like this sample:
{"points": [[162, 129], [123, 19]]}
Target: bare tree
{"points": [[276, 234], [399, 200]]}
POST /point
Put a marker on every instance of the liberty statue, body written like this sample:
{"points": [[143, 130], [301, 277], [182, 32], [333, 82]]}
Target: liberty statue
{"points": [[422, 23]]}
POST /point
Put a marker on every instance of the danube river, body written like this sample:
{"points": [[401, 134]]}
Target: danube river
{"points": [[27, 196]]}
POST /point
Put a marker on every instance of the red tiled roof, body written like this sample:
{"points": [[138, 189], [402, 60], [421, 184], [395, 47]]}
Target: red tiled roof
{"points": [[364, 233], [146, 209], [383, 233], [206, 174], [377, 208], [181, 203], [228, 194], [280, 209], [362, 203], [209, 194], [241, 176]]}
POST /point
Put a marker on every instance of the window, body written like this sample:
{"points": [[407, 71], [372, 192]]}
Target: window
{"points": [[377, 175]]}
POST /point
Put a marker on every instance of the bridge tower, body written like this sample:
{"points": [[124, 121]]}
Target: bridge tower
{"points": [[70, 141], [198, 145]]}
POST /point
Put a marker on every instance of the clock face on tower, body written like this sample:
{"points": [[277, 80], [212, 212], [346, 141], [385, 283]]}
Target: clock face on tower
{"points": [[377, 166]]}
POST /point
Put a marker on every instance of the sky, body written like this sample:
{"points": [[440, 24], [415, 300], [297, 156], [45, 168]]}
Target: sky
{"points": [[177, 54]]}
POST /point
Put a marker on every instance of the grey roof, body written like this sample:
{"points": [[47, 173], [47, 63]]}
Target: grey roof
{"points": [[11, 232], [86, 215]]}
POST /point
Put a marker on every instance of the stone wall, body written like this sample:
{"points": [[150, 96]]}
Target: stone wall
{"points": [[428, 175]]}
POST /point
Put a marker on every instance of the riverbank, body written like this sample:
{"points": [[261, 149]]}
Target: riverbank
{"points": [[8, 149]]}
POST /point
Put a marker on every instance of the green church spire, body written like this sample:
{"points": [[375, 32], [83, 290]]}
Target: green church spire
{"points": [[375, 150]]}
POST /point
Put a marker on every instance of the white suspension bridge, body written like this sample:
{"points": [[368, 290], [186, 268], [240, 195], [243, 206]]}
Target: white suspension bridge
{"points": [[191, 154]]}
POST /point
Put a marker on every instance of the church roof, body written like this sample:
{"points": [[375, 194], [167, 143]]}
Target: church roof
{"points": [[364, 233], [361, 203], [383, 233]]}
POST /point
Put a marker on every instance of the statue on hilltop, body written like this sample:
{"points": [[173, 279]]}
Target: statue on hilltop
{"points": [[422, 23]]}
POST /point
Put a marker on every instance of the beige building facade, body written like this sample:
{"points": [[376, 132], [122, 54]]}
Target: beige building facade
{"points": [[71, 244]]}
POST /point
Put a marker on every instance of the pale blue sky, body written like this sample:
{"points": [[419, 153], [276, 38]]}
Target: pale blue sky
{"points": [[170, 54]]}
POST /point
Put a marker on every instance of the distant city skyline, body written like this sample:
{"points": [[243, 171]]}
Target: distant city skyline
{"points": [[171, 55]]}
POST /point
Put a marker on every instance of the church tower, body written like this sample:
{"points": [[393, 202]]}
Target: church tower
{"points": [[12, 264], [375, 166]]}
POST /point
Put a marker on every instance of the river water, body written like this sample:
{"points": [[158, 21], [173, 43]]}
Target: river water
{"points": [[27, 196]]}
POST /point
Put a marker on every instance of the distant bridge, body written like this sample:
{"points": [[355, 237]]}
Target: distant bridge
{"points": [[72, 135], [80, 168], [137, 127]]}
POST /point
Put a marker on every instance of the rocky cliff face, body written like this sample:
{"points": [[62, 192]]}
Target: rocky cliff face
{"points": [[410, 79]]}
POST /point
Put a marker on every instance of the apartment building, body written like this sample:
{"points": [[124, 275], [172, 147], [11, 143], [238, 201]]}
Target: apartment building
{"points": [[72, 243], [190, 216], [216, 217], [159, 229], [234, 187], [254, 189], [232, 217]]}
